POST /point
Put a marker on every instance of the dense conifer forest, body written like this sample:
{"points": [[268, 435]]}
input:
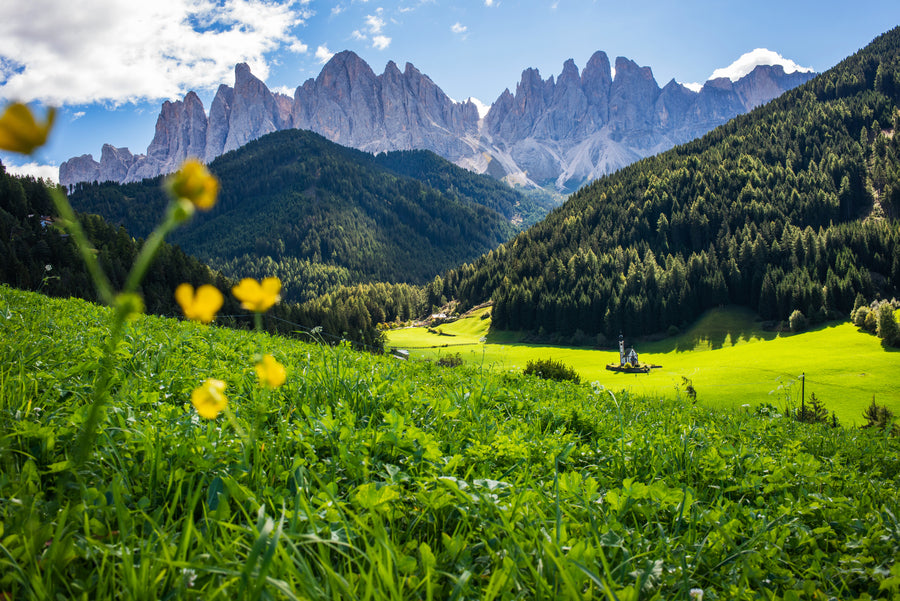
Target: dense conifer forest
{"points": [[792, 207], [35, 254]]}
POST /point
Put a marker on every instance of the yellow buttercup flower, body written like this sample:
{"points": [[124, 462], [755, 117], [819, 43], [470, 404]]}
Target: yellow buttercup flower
{"points": [[256, 296], [200, 306], [271, 373], [20, 132], [209, 398], [193, 182]]}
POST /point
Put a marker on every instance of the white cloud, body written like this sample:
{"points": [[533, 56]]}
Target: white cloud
{"points": [[380, 42], [749, 61], [78, 115], [458, 28], [694, 87], [298, 47], [336, 10], [285, 90], [324, 54], [374, 23], [123, 50], [489, 2], [35, 170], [482, 107]]}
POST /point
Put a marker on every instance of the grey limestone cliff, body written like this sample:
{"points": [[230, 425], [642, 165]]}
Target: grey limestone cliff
{"points": [[561, 132]]}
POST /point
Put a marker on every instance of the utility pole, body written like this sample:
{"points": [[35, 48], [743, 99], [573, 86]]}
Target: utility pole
{"points": [[803, 394]]}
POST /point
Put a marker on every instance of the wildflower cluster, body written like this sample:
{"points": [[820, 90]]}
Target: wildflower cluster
{"points": [[201, 305]]}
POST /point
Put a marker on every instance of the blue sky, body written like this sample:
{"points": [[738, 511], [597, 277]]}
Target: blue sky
{"points": [[109, 64]]}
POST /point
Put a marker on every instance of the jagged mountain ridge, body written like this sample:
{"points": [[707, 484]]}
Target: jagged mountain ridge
{"points": [[560, 132]]}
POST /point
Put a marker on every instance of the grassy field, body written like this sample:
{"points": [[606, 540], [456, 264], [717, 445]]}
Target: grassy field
{"points": [[726, 355], [365, 477]]}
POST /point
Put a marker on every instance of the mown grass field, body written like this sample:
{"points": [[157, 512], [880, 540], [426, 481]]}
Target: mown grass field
{"points": [[726, 355], [365, 477]]}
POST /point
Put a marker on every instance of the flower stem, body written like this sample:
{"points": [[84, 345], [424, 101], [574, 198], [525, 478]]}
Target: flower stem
{"points": [[86, 436], [148, 251], [73, 226]]}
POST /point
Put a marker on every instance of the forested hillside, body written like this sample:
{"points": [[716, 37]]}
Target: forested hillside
{"points": [[520, 207], [793, 206], [36, 254], [298, 199]]}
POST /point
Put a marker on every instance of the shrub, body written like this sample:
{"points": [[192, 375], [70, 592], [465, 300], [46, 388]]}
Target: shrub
{"points": [[813, 412], [858, 315], [886, 326], [450, 360], [879, 319], [689, 389], [797, 321], [548, 369], [870, 324], [879, 416]]}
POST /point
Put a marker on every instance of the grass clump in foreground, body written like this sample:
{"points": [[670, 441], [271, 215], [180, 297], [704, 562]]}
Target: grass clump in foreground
{"points": [[373, 478]]}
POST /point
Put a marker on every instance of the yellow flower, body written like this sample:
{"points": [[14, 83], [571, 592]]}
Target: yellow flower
{"points": [[200, 306], [258, 297], [194, 183], [271, 373], [209, 398], [19, 132]]}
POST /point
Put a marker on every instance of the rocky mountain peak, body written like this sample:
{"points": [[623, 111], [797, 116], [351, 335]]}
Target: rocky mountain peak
{"points": [[393, 71], [597, 69], [254, 110], [344, 68], [115, 163], [722, 84], [217, 125], [628, 70], [410, 71], [631, 98], [242, 74], [561, 131], [764, 82]]}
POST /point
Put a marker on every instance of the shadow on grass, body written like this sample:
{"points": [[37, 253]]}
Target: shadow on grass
{"points": [[888, 348], [717, 328]]}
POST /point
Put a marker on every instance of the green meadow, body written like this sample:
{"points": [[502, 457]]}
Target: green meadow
{"points": [[365, 477], [728, 358]]}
